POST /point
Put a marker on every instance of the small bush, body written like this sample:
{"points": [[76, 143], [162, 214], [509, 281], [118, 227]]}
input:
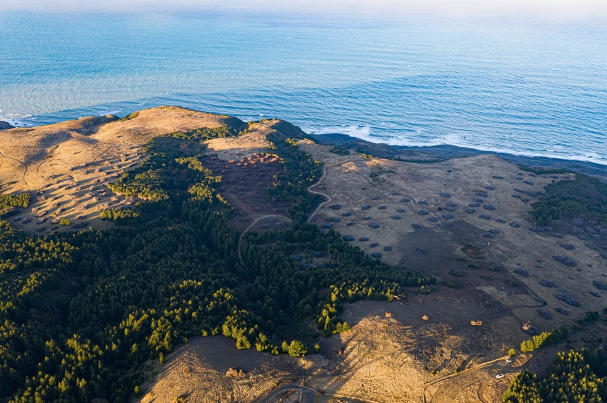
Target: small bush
{"points": [[426, 289], [512, 352], [453, 284], [65, 222]]}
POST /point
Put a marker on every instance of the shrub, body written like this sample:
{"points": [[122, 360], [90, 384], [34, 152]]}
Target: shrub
{"points": [[65, 222], [512, 352], [426, 289], [453, 284], [295, 349]]}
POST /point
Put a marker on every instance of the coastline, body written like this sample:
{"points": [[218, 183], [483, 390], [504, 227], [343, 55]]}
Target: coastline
{"points": [[438, 153]]}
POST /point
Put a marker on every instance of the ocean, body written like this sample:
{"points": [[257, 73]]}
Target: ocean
{"points": [[524, 87]]}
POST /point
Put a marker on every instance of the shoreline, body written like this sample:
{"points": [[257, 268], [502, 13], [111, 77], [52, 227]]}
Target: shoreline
{"points": [[436, 153], [427, 154]]}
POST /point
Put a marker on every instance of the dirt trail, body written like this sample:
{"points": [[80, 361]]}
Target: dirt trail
{"points": [[22, 163], [285, 217], [445, 394], [324, 172], [249, 227]]}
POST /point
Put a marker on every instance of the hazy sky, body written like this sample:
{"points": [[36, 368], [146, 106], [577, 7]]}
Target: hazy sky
{"points": [[567, 9]]}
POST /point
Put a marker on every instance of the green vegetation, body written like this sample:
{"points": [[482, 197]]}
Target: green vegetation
{"points": [[120, 216], [81, 313], [543, 339], [338, 151], [543, 171], [453, 284], [583, 196], [512, 352], [590, 316], [301, 171], [9, 203], [456, 273], [295, 286], [292, 142], [576, 376], [426, 289], [203, 134], [295, 349], [65, 222], [130, 116]]}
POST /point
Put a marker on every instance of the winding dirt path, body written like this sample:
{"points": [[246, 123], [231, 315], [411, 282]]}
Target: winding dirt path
{"points": [[309, 189], [444, 394], [22, 163], [249, 227], [324, 172]]}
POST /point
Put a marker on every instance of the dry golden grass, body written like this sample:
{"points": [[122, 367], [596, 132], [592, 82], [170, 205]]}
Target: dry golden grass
{"points": [[67, 166]]}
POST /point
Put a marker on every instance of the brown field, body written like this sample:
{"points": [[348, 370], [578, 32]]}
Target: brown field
{"points": [[438, 247], [244, 183]]}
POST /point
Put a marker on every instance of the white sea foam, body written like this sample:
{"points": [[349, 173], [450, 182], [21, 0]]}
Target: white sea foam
{"points": [[362, 132], [421, 139]]}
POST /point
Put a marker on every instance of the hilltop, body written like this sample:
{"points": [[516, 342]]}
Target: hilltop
{"points": [[358, 272]]}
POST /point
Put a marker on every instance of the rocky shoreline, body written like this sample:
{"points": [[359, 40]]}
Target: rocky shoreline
{"points": [[5, 125], [444, 152]]}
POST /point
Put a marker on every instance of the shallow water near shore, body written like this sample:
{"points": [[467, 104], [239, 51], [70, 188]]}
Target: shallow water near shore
{"points": [[526, 88]]}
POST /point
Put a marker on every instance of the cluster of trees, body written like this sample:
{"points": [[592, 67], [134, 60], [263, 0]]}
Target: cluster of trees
{"points": [[543, 171], [583, 196], [576, 376], [81, 313], [9, 203], [119, 216], [230, 127], [544, 339], [166, 173], [301, 171], [347, 274]]}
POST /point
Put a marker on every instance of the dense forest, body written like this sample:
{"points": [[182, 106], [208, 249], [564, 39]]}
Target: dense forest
{"points": [[81, 313], [576, 376]]}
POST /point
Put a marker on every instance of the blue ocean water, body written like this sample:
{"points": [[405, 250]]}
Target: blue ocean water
{"points": [[527, 87]]}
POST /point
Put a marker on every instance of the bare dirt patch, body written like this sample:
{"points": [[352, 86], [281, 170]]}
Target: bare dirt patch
{"points": [[244, 184]]}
